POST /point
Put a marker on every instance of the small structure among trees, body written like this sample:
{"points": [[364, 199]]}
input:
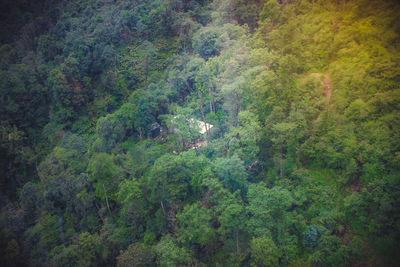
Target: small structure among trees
{"points": [[194, 133]]}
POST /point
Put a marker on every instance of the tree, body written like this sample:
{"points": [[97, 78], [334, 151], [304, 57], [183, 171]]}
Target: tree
{"points": [[87, 251], [194, 225], [186, 27], [105, 176], [264, 252], [330, 251], [146, 52], [204, 43], [69, 91], [169, 254], [90, 247], [115, 127], [232, 173], [185, 125], [270, 10], [136, 255], [129, 191], [282, 131], [144, 116], [132, 207], [31, 199], [243, 140], [231, 219], [268, 210], [248, 11], [43, 237], [172, 179]]}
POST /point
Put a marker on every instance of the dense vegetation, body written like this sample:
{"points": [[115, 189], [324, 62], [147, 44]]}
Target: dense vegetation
{"points": [[301, 166]]}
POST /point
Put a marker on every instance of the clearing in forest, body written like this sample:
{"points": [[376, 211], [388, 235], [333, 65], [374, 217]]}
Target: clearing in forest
{"points": [[326, 84]]}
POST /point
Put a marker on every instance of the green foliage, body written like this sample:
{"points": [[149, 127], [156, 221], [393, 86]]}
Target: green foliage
{"points": [[90, 250], [102, 162], [175, 179], [329, 252], [204, 43], [247, 135], [87, 251], [169, 254], [264, 252], [135, 255], [113, 128], [232, 173], [194, 225], [128, 191], [43, 237], [311, 235], [267, 207], [105, 175]]}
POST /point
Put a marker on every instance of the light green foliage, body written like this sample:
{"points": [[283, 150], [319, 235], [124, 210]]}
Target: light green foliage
{"points": [[144, 154], [194, 225], [135, 255], [128, 191], [231, 217], [174, 179], [264, 252], [105, 175], [270, 11], [243, 139], [169, 254], [268, 209], [90, 249], [231, 171]]}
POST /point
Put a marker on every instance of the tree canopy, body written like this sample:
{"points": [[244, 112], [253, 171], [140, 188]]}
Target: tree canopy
{"points": [[200, 133]]}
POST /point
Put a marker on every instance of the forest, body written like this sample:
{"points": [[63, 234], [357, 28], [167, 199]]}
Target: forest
{"points": [[199, 133]]}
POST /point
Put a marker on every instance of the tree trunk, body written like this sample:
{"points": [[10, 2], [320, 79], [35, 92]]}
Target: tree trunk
{"points": [[140, 134], [204, 117], [163, 209], [183, 141], [100, 213], [108, 204], [134, 219], [61, 228], [212, 109], [237, 243], [281, 162]]}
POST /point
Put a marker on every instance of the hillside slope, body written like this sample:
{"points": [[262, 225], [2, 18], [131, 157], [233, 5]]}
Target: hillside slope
{"points": [[103, 165]]}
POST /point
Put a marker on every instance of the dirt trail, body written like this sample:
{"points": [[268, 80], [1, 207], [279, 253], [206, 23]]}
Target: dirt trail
{"points": [[326, 83], [328, 87]]}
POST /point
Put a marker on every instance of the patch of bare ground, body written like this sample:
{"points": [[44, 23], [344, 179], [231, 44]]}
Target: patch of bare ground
{"points": [[370, 259], [355, 186], [326, 83], [328, 87]]}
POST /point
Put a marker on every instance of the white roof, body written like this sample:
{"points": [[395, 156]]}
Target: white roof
{"points": [[200, 124]]}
